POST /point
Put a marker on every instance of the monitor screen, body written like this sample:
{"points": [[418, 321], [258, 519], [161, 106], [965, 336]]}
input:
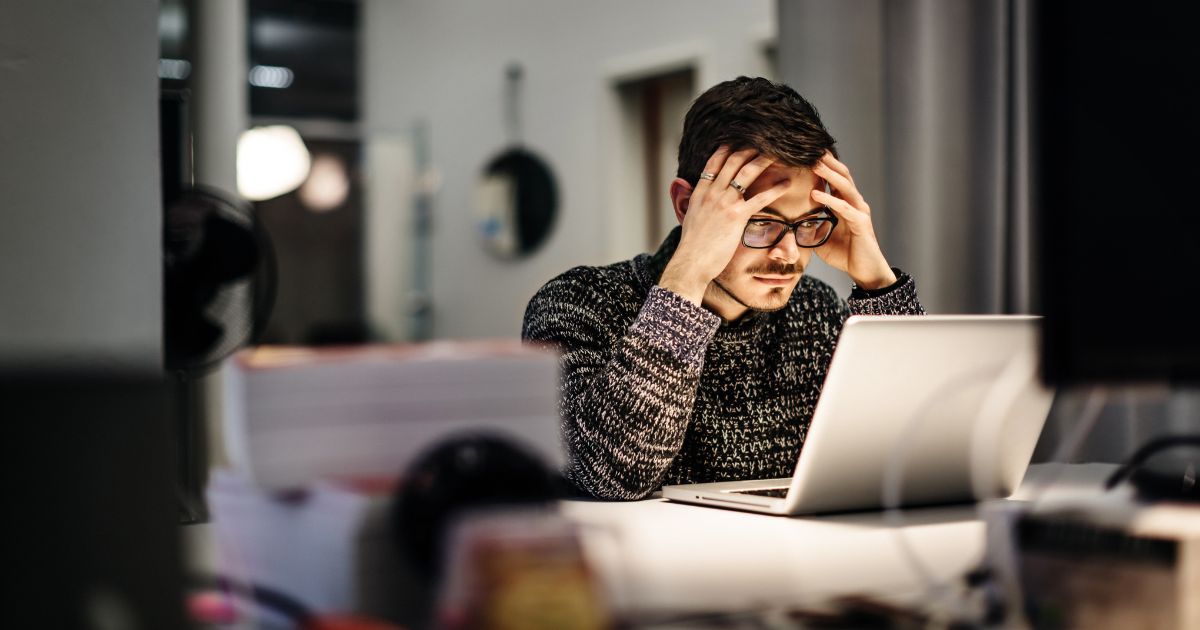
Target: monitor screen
{"points": [[1116, 135]]}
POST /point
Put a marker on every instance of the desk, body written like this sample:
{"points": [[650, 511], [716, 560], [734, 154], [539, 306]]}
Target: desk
{"points": [[654, 556], [657, 555]]}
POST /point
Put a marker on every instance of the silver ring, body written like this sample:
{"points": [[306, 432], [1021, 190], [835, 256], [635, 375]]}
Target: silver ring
{"points": [[708, 176], [736, 186]]}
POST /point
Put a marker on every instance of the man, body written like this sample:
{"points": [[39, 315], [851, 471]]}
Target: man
{"points": [[703, 361]]}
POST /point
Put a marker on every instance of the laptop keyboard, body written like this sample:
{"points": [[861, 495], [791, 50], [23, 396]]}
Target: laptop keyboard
{"points": [[780, 493]]}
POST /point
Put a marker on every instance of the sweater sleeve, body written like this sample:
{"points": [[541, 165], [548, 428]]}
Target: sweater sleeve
{"points": [[626, 393], [898, 299]]}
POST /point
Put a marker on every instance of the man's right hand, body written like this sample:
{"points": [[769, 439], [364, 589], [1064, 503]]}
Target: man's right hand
{"points": [[715, 214]]}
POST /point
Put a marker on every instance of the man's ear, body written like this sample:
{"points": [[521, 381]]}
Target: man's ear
{"points": [[681, 196]]}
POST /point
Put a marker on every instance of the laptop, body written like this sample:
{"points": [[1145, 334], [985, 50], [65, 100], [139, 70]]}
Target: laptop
{"points": [[915, 410]]}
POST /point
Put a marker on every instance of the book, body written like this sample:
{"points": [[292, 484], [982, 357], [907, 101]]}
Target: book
{"points": [[294, 415]]}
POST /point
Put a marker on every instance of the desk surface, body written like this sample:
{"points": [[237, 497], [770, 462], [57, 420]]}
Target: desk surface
{"points": [[661, 555], [654, 556]]}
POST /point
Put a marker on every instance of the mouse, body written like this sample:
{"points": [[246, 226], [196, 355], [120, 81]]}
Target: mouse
{"points": [[1163, 470], [1168, 476]]}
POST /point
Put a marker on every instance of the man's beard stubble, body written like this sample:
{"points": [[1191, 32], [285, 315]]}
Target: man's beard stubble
{"points": [[772, 268]]}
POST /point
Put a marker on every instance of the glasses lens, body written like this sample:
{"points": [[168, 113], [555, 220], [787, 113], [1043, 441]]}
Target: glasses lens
{"points": [[762, 233], [813, 232]]}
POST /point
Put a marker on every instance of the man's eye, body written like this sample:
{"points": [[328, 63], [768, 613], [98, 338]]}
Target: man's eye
{"points": [[809, 224], [761, 223]]}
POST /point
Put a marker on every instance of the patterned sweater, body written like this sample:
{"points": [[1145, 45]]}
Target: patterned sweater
{"points": [[658, 390]]}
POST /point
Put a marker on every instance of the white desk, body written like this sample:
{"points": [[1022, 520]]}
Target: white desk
{"points": [[657, 555]]}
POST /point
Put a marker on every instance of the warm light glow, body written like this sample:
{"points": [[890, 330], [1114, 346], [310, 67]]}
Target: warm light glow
{"points": [[271, 161], [327, 185]]}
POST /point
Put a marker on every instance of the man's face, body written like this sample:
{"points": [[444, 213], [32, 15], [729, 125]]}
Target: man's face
{"points": [[763, 279]]}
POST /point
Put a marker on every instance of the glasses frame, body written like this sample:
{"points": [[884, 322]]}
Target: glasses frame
{"points": [[791, 227]]}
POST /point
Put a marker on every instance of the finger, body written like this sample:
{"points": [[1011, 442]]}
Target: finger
{"points": [[767, 197], [733, 164], [841, 207], [841, 184], [837, 165], [750, 172], [713, 165]]}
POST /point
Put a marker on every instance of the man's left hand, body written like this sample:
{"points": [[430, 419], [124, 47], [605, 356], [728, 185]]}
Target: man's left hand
{"points": [[852, 247]]}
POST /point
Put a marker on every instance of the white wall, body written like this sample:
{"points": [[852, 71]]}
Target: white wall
{"points": [[443, 63], [80, 243]]}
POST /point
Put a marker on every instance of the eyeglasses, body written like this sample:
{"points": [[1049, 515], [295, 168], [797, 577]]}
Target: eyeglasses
{"points": [[809, 231]]}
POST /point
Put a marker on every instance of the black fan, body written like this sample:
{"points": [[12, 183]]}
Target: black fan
{"points": [[219, 278]]}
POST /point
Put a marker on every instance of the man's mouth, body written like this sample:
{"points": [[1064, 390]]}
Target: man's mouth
{"points": [[776, 280]]}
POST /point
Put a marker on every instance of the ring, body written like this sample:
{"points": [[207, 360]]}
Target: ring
{"points": [[736, 186], [708, 176]]}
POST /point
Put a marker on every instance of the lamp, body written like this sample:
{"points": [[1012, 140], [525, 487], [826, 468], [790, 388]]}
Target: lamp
{"points": [[271, 161]]}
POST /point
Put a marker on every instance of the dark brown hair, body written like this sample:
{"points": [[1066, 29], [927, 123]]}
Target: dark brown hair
{"points": [[751, 113]]}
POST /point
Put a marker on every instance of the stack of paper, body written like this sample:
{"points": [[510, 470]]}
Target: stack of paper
{"points": [[295, 415]]}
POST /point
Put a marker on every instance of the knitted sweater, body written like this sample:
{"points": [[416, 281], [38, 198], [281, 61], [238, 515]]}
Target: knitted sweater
{"points": [[658, 390]]}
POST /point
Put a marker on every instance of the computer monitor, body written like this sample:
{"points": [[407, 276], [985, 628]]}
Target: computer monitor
{"points": [[1116, 150]]}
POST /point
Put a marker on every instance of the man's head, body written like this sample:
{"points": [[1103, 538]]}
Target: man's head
{"points": [[752, 113], [772, 120]]}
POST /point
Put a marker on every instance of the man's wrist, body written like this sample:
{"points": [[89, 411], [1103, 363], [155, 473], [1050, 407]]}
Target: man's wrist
{"points": [[881, 280], [690, 289], [859, 292]]}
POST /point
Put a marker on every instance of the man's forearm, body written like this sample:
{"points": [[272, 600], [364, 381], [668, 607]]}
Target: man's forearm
{"points": [[626, 406]]}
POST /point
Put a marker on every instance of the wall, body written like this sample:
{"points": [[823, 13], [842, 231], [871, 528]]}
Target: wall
{"points": [[80, 293], [442, 64], [80, 248], [832, 53]]}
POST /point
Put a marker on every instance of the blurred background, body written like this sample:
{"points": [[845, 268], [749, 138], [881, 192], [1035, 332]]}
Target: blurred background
{"points": [[397, 231], [402, 107], [417, 170]]}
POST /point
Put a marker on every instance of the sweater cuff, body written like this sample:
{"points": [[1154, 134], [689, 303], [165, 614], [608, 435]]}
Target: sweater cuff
{"points": [[677, 326], [898, 299]]}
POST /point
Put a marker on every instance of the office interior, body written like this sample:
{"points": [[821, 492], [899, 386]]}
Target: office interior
{"points": [[358, 135]]}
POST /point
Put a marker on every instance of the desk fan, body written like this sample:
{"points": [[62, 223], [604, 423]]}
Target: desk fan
{"points": [[219, 279]]}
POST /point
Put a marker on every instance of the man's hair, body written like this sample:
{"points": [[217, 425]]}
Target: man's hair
{"points": [[751, 113]]}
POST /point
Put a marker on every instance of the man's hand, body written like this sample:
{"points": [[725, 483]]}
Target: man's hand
{"points": [[716, 215], [853, 247]]}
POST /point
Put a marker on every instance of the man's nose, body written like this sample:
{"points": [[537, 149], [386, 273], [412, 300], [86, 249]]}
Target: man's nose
{"points": [[786, 249]]}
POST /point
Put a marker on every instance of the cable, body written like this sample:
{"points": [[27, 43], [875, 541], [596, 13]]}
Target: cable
{"points": [[1144, 453]]}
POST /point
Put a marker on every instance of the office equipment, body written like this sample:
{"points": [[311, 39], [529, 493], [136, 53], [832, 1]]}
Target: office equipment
{"points": [[1104, 562], [459, 474], [297, 414], [520, 568], [947, 408], [1163, 470], [1114, 120]]}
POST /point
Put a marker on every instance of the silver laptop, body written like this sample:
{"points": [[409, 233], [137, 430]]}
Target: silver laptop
{"points": [[915, 410]]}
